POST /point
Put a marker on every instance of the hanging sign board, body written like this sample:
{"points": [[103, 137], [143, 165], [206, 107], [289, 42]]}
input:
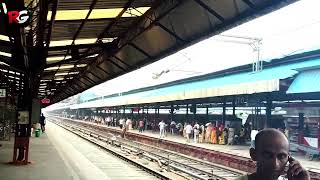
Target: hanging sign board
{"points": [[23, 117], [2, 93]]}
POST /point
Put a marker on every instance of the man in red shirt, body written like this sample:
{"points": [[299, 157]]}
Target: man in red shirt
{"points": [[141, 125]]}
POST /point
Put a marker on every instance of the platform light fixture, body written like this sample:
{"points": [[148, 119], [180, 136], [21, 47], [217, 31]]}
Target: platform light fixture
{"points": [[63, 74], [5, 54], [65, 67], [57, 58], [92, 56], [4, 38], [2, 63], [78, 41], [45, 80], [96, 13], [58, 79]]}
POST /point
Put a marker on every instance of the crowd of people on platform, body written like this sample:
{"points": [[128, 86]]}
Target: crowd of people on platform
{"points": [[214, 132]]}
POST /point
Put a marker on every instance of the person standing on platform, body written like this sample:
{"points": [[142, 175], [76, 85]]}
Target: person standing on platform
{"points": [[42, 122], [124, 130], [226, 134], [242, 135], [201, 134], [109, 121], [196, 129], [141, 125], [231, 136], [121, 123], [208, 133], [221, 134], [173, 127], [253, 136], [188, 130], [127, 124], [214, 134], [271, 153], [162, 127], [179, 128]]}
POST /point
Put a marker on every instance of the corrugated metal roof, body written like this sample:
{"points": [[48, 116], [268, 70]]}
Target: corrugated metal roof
{"points": [[306, 82], [281, 72], [145, 37], [245, 82]]}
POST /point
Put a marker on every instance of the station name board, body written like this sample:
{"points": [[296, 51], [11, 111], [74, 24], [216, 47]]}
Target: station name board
{"points": [[2, 92]]}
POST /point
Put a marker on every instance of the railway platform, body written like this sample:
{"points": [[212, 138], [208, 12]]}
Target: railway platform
{"points": [[45, 161], [234, 156], [237, 150], [59, 154]]}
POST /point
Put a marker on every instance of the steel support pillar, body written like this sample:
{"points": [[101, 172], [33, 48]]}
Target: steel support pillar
{"points": [[23, 125], [300, 127], [233, 107], [207, 113], [187, 113], [224, 113], [171, 112], [268, 122]]}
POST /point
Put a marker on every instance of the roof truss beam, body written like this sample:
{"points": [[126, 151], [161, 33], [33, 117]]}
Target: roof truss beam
{"points": [[206, 7]]}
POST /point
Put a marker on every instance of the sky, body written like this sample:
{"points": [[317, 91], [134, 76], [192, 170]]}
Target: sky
{"points": [[290, 30]]}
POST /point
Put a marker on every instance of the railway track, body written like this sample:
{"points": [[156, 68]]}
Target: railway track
{"points": [[184, 165], [118, 164]]}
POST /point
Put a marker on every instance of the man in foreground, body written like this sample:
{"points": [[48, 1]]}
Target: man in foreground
{"points": [[271, 152]]}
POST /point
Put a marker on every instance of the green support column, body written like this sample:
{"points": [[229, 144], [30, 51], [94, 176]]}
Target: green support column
{"points": [[147, 119], [207, 114], [187, 113], [268, 124], [147, 112], [224, 113], [194, 111], [301, 128], [233, 107], [171, 112]]}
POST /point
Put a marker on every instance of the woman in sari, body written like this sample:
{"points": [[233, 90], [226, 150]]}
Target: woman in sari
{"points": [[214, 135], [222, 134], [208, 133]]}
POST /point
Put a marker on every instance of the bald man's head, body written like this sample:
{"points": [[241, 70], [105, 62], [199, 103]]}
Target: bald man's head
{"points": [[269, 135], [271, 153]]}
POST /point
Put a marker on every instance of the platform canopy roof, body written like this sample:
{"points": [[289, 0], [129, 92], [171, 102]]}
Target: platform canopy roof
{"points": [[73, 45]]}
